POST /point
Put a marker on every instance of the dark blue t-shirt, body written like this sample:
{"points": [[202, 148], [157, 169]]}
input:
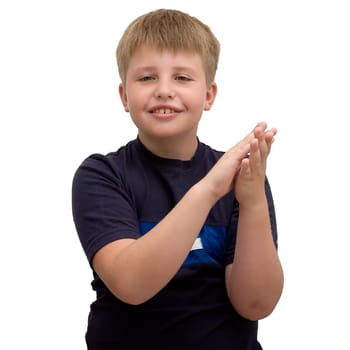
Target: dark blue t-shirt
{"points": [[123, 195]]}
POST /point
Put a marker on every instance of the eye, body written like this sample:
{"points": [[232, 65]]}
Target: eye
{"points": [[182, 78], [146, 78]]}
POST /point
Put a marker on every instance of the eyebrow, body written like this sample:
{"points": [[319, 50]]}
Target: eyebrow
{"points": [[175, 68]]}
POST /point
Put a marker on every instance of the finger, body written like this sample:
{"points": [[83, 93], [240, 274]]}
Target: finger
{"points": [[245, 169], [270, 134], [265, 138], [270, 138], [255, 157], [242, 148], [262, 125], [260, 135], [259, 128]]}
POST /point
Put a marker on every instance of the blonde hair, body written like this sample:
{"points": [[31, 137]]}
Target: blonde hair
{"points": [[171, 30]]}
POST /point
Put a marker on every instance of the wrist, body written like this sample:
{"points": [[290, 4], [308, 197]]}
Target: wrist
{"points": [[205, 193], [255, 202]]}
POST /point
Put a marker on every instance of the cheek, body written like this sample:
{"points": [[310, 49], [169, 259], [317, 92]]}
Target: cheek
{"points": [[133, 102], [137, 96], [202, 103], [136, 104]]}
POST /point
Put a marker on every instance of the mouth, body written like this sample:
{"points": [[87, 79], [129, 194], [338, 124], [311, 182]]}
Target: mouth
{"points": [[164, 111]]}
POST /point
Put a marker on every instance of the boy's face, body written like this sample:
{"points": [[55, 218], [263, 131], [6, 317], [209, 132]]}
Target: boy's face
{"points": [[166, 93]]}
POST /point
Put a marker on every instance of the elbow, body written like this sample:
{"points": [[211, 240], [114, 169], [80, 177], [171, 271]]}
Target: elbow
{"points": [[129, 299], [130, 295], [261, 305], [256, 307], [255, 311], [133, 302]]}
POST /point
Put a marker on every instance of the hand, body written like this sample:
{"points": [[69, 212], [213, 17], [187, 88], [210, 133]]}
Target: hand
{"points": [[249, 183], [220, 178]]}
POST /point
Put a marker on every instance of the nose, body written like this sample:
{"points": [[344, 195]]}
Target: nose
{"points": [[164, 89]]}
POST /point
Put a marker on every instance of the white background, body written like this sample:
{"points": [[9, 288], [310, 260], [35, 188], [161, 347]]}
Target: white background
{"points": [[286, 62]]}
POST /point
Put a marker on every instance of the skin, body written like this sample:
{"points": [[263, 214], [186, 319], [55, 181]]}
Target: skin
{"points": [[161, 80], [166, 94]]}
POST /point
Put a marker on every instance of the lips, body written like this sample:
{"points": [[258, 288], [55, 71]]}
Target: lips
{"points": [[164, 110]]}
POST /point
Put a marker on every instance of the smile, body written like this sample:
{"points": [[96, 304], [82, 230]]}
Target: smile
{"points": [[164, 111]]}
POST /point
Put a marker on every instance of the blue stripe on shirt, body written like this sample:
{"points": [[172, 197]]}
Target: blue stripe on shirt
{"points": [[212, 248]]}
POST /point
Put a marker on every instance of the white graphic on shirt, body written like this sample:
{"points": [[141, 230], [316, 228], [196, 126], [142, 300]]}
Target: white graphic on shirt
{"points": [[197, 244]]}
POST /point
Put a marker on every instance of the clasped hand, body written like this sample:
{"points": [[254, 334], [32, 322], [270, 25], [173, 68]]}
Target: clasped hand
{"points": [[243, 167]]}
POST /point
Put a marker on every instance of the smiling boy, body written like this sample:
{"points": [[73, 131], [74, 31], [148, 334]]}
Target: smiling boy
{"points": [[181, 238]]}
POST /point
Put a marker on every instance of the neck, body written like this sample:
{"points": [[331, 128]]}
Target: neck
{"points": [[171, 148]]}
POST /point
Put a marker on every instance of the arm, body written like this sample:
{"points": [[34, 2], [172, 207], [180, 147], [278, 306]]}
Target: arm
{"points": [[255, 278], [135, 270]]}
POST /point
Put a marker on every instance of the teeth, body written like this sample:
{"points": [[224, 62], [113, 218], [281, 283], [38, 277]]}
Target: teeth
{"points": [[164, 111]]}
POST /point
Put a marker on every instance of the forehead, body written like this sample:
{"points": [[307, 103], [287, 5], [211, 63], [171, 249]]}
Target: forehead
{"points": [[155, 57]]}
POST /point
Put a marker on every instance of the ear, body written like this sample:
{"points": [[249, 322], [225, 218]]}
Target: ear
{"points": [[211, 94], [123, 97]]}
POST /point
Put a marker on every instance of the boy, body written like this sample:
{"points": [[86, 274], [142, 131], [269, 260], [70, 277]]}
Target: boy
{"points": [[181, 238]]}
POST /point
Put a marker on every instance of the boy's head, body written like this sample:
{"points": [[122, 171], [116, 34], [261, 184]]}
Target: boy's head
{"points": [[170, 30]]}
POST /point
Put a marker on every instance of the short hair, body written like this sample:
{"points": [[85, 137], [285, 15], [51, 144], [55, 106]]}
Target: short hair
{"points": [[171, 30]]}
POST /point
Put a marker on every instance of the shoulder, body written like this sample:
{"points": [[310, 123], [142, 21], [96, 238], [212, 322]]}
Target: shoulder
{"points": [[99, 161], [110, 167]]}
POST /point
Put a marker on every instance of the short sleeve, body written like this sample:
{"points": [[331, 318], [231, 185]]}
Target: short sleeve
{"points": [[102, 208]]}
